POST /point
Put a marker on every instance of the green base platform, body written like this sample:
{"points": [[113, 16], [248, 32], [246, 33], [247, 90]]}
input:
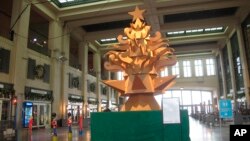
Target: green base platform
{"points": [[137, 126]]}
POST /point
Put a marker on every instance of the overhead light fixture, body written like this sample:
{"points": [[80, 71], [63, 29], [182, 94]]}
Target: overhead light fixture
{"points": [[60, 56]]}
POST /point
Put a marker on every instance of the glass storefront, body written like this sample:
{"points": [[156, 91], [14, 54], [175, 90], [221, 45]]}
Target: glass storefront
{"points": [[75, 109], [41, 114]]}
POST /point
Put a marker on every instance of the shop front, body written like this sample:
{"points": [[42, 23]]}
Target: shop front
{"points": [[37, 102], [92, 105], [113, 106], [104, 104], [6, 93], [74, 107]]}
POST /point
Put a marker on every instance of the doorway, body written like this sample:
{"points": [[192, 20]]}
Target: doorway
{"points": [[41, 115], [4, 110]]}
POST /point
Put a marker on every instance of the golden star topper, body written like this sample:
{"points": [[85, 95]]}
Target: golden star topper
{"points": [[137, 14]]}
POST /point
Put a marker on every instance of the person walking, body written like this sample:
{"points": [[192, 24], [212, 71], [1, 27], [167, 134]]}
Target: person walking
{"points": [[80, 122], [54, 124], [69, 121], [30, 124]]}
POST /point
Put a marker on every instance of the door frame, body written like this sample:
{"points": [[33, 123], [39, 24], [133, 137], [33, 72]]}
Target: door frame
{"points": [[45, 104]]}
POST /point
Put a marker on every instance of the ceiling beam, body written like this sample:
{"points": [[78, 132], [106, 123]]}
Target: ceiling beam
{"points": [[195, 24], [206, 47], [44, 10], [198, 6], [99, 19], [92, 36], [196, 39]]}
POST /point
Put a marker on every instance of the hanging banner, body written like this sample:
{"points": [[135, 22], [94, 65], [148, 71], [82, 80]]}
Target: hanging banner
{"points": [[226, 108], [171, 110]]}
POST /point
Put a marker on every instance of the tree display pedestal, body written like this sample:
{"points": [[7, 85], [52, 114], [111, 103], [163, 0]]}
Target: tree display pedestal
{"points": [[137, 126]]}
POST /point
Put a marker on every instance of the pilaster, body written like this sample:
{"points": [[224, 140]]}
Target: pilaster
{"points": [[244, 64], [55, 44], [65, 65], [19, 53], [83, 56], [97, 64], [231, 66], [223, 74]]}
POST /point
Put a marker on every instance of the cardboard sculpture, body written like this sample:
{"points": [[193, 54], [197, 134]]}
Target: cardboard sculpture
{"points": [[140, 57]]}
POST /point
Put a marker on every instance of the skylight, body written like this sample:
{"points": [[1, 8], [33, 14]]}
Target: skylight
{"points": [[109, 40], [189, 32], [66, 3], [196, 31]]}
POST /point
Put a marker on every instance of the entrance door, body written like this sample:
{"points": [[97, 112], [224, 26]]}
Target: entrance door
{"points": [[44, 112], [35, 115], [41, 114]]}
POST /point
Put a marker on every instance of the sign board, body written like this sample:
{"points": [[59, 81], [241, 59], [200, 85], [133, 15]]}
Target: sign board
{"points": [[171, 110], [226, 108]]}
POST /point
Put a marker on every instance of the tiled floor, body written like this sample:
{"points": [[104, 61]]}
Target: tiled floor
{"points": [[198, 132], [202, 132], [46, 135]]}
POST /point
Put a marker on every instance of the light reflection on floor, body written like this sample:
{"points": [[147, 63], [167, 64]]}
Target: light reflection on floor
{"points": [[45, 135]]}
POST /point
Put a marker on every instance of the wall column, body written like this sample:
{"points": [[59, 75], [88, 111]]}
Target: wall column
{"points": [[97, 58], [244, 64], [231, 66], [83, 49], [55, 44], [108, 93], [65, 65], [223, 74], [19, 53]]}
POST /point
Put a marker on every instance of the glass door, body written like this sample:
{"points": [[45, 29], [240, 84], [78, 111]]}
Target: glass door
{"points": [[47, 115], [41, 114], [35, 114], [5, 110]]}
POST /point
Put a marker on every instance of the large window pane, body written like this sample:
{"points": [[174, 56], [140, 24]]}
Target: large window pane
{"points": [[164, 72], [186, 96], [210, 67], [187, 69], [176, 69], [177, 94], [120, 75], [168, 94], [198, 68], [196, 97], [206, 96]]}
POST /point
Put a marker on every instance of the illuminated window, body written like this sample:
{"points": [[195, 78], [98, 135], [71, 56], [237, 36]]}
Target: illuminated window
{"points": [[210, 67], [164, 72], [198, 67], [187, 69], [176, 69], [198, 31], [120, 75]]}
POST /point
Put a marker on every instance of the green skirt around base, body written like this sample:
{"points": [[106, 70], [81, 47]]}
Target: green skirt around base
{"points": [[137, 126]]}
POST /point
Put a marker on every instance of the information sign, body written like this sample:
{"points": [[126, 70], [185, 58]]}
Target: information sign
{"points": [[171, 110]]}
